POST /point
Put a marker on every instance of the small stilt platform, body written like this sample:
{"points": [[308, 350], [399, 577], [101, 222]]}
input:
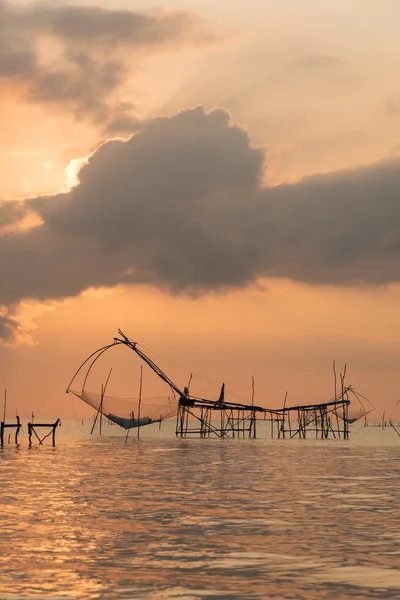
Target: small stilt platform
{"points": [[205, 418], [329, 419], [16, 426], [32, 427]]}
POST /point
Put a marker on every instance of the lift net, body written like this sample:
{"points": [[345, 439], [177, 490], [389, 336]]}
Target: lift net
{"points": [[126, 412], [356, 414]]}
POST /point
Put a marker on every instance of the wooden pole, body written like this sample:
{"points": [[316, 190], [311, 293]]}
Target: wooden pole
{"points": [[345, 424], [189, 382], [5, 406], [140, 400], [284, 415], [53, 437], [101, 407], [334, 380], [127, 431], [391, 425], [17, 429]]}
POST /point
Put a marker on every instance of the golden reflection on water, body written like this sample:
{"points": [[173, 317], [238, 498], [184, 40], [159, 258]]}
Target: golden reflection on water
{"points": [[169, 518]]}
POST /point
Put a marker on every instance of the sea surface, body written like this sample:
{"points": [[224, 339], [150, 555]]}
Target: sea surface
{"points": [[166, 518]]}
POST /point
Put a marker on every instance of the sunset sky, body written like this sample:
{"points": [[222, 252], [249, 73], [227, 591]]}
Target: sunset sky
{"points": [[219, 180]]}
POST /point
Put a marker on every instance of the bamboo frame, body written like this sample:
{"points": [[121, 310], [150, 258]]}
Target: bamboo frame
{"points": [[32, 430]]}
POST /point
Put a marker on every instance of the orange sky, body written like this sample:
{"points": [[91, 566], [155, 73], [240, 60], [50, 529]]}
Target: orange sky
{"points": [[313, 86]]}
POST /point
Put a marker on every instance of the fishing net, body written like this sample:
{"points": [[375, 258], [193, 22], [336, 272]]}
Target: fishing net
{"points": [[356, 414], [127, 412]]}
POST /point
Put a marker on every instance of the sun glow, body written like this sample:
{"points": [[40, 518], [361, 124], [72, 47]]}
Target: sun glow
{"points": [[71, 172]]}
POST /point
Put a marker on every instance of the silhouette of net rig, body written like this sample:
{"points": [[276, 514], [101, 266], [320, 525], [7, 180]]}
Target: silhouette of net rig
{"points": [[205, 418]]}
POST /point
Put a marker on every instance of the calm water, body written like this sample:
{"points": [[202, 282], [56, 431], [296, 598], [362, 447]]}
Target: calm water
{"points": [[188, 519]]}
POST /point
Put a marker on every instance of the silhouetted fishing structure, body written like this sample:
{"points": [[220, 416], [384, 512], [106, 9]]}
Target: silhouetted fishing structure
{"points": [[33, 427], [324, 420], [128, 413], [203, 417], [3, 425]]}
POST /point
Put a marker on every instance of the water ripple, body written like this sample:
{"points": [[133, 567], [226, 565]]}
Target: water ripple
{"points": [[163, 518]]}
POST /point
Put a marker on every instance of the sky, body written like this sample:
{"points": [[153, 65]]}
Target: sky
{"points": [[220, 182]]}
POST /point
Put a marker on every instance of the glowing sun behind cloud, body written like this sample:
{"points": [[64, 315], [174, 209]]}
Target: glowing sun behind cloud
{"points": [[71, 172]]}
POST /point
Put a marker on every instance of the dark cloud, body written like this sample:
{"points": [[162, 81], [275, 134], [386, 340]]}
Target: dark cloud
{"points": [[79, 57], [8, 327], [10, 213], [123, 123], [181, 206]]}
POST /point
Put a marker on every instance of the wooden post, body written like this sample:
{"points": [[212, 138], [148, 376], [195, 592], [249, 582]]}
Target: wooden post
{"points": [[127, 431], [32, 430], [101, 408], [140, 400], [53, 437], [5, 406], [17, 430]]}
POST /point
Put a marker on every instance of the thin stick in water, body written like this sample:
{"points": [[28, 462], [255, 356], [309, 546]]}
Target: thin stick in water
{"points": [[140, 400]]}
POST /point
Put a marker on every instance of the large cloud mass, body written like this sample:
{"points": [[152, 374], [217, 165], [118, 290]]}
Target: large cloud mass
{"points": [[79, 57], [181, 205]]}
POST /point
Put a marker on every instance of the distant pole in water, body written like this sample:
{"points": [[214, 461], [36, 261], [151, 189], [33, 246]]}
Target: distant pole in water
{"points": [[334, 379], [101, 406], [5, 406], [100, 409], [190, 381], [391, 425], [252, 390], [128, 430], [140, 401]]}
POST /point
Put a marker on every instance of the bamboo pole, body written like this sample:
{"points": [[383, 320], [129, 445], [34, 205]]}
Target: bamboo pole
{"points": [[101, 408], [140, 400], [127, 431], [391, 425]]}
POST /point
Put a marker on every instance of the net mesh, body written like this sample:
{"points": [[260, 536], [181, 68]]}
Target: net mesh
{"points": [[126, 411], [356, 414]]}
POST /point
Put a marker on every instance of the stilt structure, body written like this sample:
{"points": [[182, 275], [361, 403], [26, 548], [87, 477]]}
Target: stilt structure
{"points": [[202, 417], [206, 418], [3, 426], [329, 419], [32, 431]]}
